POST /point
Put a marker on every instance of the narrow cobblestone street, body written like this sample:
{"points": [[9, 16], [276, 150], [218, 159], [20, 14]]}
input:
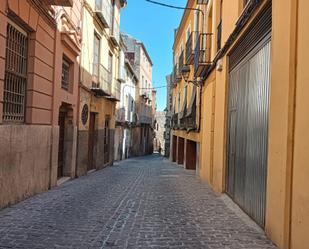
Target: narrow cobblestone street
{"points": [[143, 202]]}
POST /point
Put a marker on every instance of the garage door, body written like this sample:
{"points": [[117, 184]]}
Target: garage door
{"points": [[248, 119]]}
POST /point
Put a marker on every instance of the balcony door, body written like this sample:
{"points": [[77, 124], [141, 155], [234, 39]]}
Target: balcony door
{"points": [[92, 141], [96, 58], [106, 140], [110, 67]]}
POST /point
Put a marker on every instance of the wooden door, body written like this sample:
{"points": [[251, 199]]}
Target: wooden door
{"points": [[91, 142], [106, 141], [61, 123]]}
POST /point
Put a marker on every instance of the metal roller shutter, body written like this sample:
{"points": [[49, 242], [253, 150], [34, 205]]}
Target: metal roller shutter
{"points": [[248, 118]]}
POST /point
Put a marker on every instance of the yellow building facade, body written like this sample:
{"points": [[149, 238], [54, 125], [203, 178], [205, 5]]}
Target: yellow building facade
{"points": [[100, 80], [247, 84]]}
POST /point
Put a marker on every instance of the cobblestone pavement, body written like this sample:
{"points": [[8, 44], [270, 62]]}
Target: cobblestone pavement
{"points": [[143, 202]]}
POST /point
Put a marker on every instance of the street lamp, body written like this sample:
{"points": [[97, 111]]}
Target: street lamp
{"points": [[185, 72]]}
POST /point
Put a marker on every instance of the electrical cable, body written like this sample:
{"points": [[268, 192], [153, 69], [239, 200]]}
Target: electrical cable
{"points": [[172, 6]]}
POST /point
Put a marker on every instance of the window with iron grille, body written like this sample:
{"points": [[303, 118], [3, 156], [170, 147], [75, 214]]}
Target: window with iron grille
{"points": [[65, 80], [15, 81]]}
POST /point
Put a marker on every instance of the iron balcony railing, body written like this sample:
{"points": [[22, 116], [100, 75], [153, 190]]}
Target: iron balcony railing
{"points": [[121, 115], [219, 35], [202, 54], [115, 95], [182, 123], [121, 67], [103, 9], [190, 45], [181, 61], [188, 117], [202, 1], [175, 121], [177, 73], [189, 121], [115, 32], [101, 80], [145, 119]]}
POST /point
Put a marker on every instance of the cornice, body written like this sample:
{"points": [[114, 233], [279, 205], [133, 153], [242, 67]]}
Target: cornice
{"points": [[45, 11]]}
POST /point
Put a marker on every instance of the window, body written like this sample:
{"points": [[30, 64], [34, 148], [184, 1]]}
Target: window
{"points": [[96, 57], [15, 82], [65, 77], [110, 67]]}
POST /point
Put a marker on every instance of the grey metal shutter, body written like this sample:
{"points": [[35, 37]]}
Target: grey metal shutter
{"points": [[258, 30], [248, 122]]}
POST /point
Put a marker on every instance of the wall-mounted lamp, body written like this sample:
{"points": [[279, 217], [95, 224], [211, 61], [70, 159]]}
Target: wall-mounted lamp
{"points": [[185, 72]]}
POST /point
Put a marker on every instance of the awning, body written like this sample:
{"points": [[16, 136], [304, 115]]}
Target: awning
{"points": [[182, 113], [192, 103]]}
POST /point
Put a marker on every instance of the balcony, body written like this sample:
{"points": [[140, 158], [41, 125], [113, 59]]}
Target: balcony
{"points": [[190, 47], [175, 121], [188, 121], [144, 119], [115, 96], [121, 69], [181, 61], [65, 3], [177, 74], [101, 80], [103, 10], [202, 54], [115, 33], [121, 115], [202, 1]]}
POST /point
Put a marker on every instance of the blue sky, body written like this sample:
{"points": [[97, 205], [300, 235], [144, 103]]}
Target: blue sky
{"points": [[154, 25]]}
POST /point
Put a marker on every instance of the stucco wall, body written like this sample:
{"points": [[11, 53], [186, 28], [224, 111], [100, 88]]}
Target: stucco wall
{"points": [[300, 194], [280, 123], [206, 153], [25, 159]]}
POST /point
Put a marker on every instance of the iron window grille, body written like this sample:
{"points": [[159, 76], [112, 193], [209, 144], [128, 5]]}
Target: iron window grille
{"points": [[15, 80], [65, 80]]}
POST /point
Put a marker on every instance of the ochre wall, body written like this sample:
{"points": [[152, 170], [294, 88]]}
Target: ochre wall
{"points": [[281, 122], [287, 211], [300, 194], [205, 168]]}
